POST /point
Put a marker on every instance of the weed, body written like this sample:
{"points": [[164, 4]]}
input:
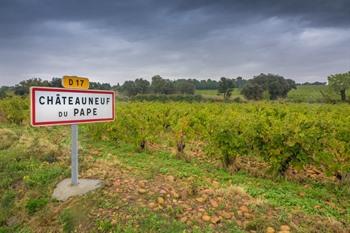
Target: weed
{"points": [[34, 205], [67, 220]]}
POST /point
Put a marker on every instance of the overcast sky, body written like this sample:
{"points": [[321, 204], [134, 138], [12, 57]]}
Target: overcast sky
{"points": [[113, 41]]}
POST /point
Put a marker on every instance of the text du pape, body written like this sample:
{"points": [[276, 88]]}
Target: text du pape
{"points": [[75, 100]]}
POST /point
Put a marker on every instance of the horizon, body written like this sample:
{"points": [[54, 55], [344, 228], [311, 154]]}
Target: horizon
{"points": [[113, 42], [171, 79]]}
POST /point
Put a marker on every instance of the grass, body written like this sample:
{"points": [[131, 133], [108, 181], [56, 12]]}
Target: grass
{"points": [[280, 193], [304, 93], [27, 181], [214, 93], [207, 92], [310, 94]]}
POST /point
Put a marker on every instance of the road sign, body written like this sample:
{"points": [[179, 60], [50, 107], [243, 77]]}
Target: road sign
{"points": [[61, 106], [75, 82]]}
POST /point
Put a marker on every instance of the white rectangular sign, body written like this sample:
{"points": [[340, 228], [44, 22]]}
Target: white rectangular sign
{"points": [[61, 106]]}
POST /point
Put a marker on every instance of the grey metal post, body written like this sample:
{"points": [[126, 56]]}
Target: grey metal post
{"points": [[74, 169]]}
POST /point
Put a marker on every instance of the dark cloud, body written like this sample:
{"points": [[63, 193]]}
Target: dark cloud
{"points": [[118, 40]]}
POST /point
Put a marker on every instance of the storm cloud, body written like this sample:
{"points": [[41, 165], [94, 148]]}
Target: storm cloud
{"points": [[113, 41]]}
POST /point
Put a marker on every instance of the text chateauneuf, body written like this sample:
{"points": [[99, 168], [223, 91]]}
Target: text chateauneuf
{"points": [[76, 100]]}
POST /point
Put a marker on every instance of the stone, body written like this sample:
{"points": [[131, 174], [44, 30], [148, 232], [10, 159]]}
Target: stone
{"points": [[200, 199], [215, 219], [214, 203], [142, 191], [160, 200], [183, 219], [114, 221], [270, 230], [225, 215], [170, 178], [184, 194], [216, 184], [244, 209], [285, 228], [206, 218], [12, 221], [152, 205], [142, 184], [65, 189], [176, 195]]}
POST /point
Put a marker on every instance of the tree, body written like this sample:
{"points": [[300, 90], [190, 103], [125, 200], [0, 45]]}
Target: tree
{"points": [[23, 87], [184, 86], [157, 84], [252, 91], [55, 82], [142, 86], [4, 90], [128, 88], [100, 86], [240, 82], [162, 86], [276, 86], [226, 86], [340, 83]]}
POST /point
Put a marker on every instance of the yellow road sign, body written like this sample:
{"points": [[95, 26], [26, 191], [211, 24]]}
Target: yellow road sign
{"points": [[75, 82]]}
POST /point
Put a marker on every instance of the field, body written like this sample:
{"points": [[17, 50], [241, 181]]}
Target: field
{"points": [[180, 167], [212, 93], [303, 94]]}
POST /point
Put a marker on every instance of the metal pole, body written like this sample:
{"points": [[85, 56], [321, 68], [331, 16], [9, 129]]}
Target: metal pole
{"points": [[74, 169]]}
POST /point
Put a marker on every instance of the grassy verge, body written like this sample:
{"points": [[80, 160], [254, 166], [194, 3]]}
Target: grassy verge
{"points": [[29, 172], [314, 199]]}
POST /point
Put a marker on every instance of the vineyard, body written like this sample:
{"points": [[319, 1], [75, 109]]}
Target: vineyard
{"points": [[182, 167], [282, 135]]}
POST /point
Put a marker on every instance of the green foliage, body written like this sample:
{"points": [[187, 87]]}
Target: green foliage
{"points": [[312, 94], [7, 201], [252, 91], [42, 177], [104, 225], [129, 88], [158, 86], [340, 83], [4, 91], [283, 135], [22, 88], [162, 86], [7, 138], [15, 109], [184, 86], [226, 86], [167, 98], [33, 205], [277, 86], [67, 220], [100, 86]]}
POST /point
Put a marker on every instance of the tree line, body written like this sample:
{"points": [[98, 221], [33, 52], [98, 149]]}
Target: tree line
{"points": [[22, 88], [159, 85], [263, 86]]}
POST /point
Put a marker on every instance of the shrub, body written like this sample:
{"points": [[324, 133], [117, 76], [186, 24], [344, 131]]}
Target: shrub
{"points": [[15, 109], [7, 138], [34, 205]]}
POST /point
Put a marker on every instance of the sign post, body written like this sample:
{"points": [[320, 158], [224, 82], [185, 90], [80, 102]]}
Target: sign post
{"points": [[75, 161], [68, 106]]}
